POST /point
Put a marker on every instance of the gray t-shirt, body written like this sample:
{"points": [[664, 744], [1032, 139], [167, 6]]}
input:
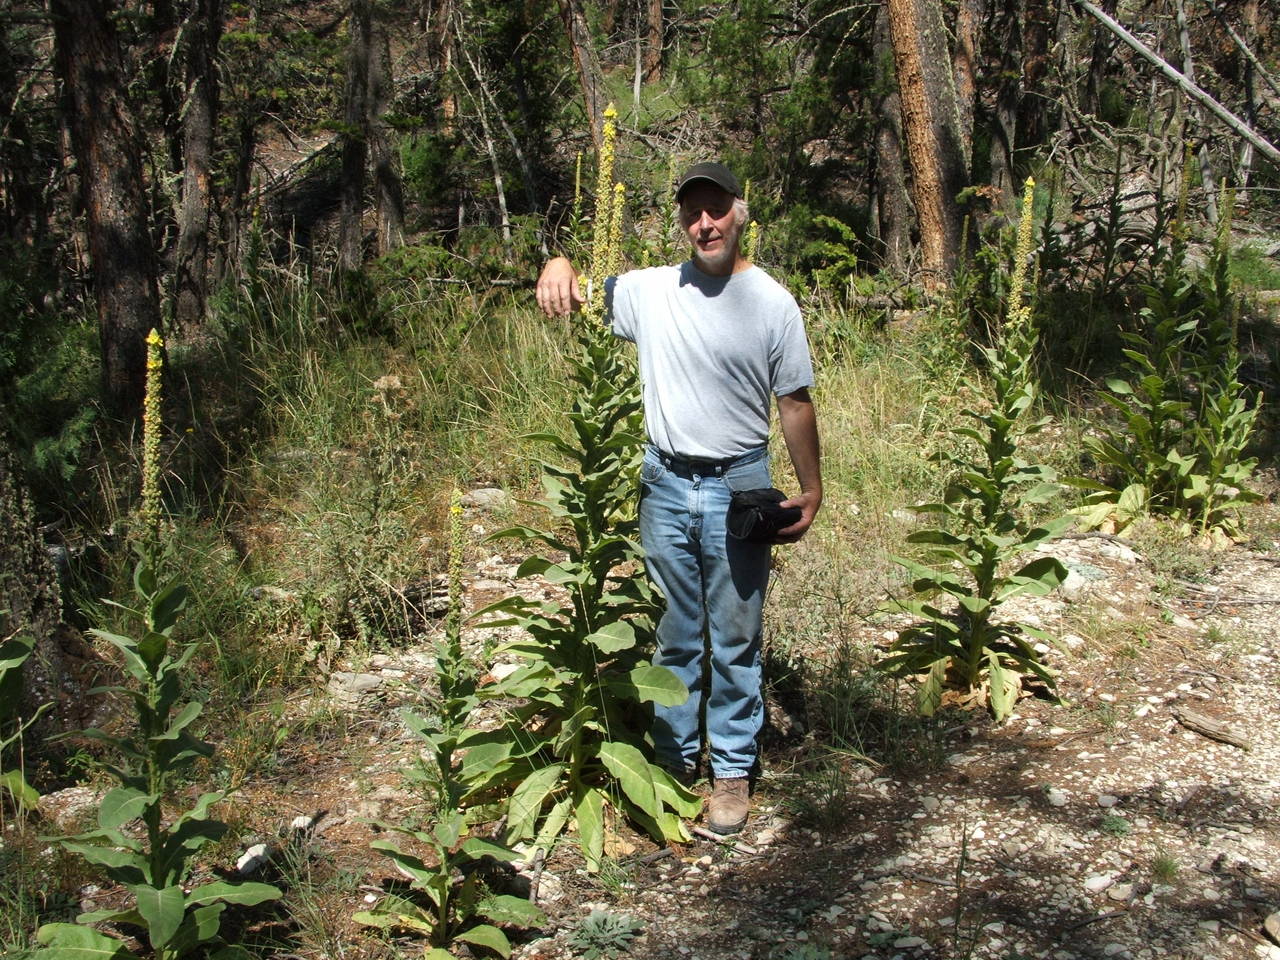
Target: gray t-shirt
{"points": [[713, 352]]}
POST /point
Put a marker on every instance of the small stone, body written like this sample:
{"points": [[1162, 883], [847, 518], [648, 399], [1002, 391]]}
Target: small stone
{"points": [[487, 498], [1107, 800], [1115, 950], [1121, 892], [1056, 798], [1210, 926], [904, 942], [1272, 926], [501, 671], [930, 804], [1211, 894], [1098, 882], [253, 859]]}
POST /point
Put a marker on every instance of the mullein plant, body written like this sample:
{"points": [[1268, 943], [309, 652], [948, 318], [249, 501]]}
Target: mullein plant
{"points": [[441, 908], [572, 750], [148, 849], [1186, 421], [977, 557]]}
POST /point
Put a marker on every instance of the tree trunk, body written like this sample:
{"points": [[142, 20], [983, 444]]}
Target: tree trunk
{"points": [[589, 75], [204, 27], [653, 47], [1207, 175], [892, 216], [932, 133], [386, 175], [970, 15], [1004, 126], [1244, 167], [1038, 29], [355, 148], [108, 155]]}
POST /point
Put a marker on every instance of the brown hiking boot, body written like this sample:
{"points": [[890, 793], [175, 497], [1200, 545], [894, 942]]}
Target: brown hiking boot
{"points": [[729, 806]]}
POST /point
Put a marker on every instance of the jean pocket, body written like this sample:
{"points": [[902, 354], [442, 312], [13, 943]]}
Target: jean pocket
{"points": [[651, 471], [748, 476]]}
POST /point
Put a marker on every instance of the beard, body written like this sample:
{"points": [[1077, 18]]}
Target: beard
{"points": [[723, 260]]}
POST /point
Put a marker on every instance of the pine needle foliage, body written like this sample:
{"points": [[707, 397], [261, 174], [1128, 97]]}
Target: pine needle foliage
{"points": [[571, 750], [970, 556]]}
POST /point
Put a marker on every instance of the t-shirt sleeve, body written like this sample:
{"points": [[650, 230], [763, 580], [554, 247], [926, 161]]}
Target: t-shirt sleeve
{"points": [[619, 307], [790, 366]]}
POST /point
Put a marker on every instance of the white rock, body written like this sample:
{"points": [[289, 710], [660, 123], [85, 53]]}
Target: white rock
{"points": [[1098, 882], [487, 498], [930, 804], [1056, 798], [1115, 950], [1121, 892], [903, 942], [252, 859], [1107, 800]]}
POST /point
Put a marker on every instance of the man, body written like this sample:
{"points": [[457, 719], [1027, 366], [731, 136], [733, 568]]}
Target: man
{"points": [[716, 339]]}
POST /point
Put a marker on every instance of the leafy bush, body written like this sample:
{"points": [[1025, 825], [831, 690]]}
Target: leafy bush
{"points": [[604, 934]]}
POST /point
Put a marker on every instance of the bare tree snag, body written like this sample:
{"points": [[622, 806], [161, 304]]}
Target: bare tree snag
{"points": [[1207, 176], [108, 154], [1262, 145], [355, 146], [1004, 125], [389, 195], [584, 58], [932, 131], [191, 282]]}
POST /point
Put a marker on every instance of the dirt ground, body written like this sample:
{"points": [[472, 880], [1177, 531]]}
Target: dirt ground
{"points": [[1116, 824]]}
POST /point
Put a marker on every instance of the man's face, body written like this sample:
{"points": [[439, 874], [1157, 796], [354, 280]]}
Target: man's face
{"points": [[706, 214]]}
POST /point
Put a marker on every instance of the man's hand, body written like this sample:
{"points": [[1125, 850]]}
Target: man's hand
{"points": [[558, 292], [800, 431], [808, 504]]}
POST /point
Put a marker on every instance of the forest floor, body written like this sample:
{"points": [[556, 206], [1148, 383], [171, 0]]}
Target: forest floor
{"points": [[1104, 826]]}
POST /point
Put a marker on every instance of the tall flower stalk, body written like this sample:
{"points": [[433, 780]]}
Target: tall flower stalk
{"points": [[970, 649], [573, 750]]}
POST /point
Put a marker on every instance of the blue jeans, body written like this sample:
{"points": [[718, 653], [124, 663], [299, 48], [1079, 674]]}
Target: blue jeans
{"points": [[714, 585]]}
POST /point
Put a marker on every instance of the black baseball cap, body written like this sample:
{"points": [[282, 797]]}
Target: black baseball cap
{"points": [[716, 173]]}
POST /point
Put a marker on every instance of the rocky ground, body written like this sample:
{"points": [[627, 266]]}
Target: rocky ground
{"points": [[1136, 820]]}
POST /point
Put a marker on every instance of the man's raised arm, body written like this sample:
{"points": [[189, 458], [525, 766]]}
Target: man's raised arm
{"points": [[558, 292]]}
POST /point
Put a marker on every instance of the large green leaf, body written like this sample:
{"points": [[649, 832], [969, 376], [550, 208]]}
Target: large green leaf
{"points": [[486, 936], [163, 910], [631, 770], [526, 802], [590, 817], [122, 804], [15, 784], [504, 908], [242, 894], [930, 696], [612, 637], [649, 682], [68, 941]]}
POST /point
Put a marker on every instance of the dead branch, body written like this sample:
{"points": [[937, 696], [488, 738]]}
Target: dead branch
{"points": [[1186, 86]]}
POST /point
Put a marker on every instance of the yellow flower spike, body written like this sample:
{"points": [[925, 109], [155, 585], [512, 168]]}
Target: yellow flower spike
{"points": [[753, 240], [152, 423], [603, 226], [457, 541], [1018, 312], [613, 262]]}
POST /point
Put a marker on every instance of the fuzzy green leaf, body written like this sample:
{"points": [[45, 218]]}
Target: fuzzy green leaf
{"points": [[650, 683], [241, 894], [526, 802], [163, 910], [631, 770], [613, 637], [590, 816], [930, 696], [486, 936], [122, 804], [69, 941]]}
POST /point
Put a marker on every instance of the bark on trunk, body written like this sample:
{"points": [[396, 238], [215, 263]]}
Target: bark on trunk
{"points": [[204, 28], [108, 155], [355, 146], [970, 15], [932, 133], [1004, 127], [386, 175], [892, 219], [589, 75], [653, 46]]}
